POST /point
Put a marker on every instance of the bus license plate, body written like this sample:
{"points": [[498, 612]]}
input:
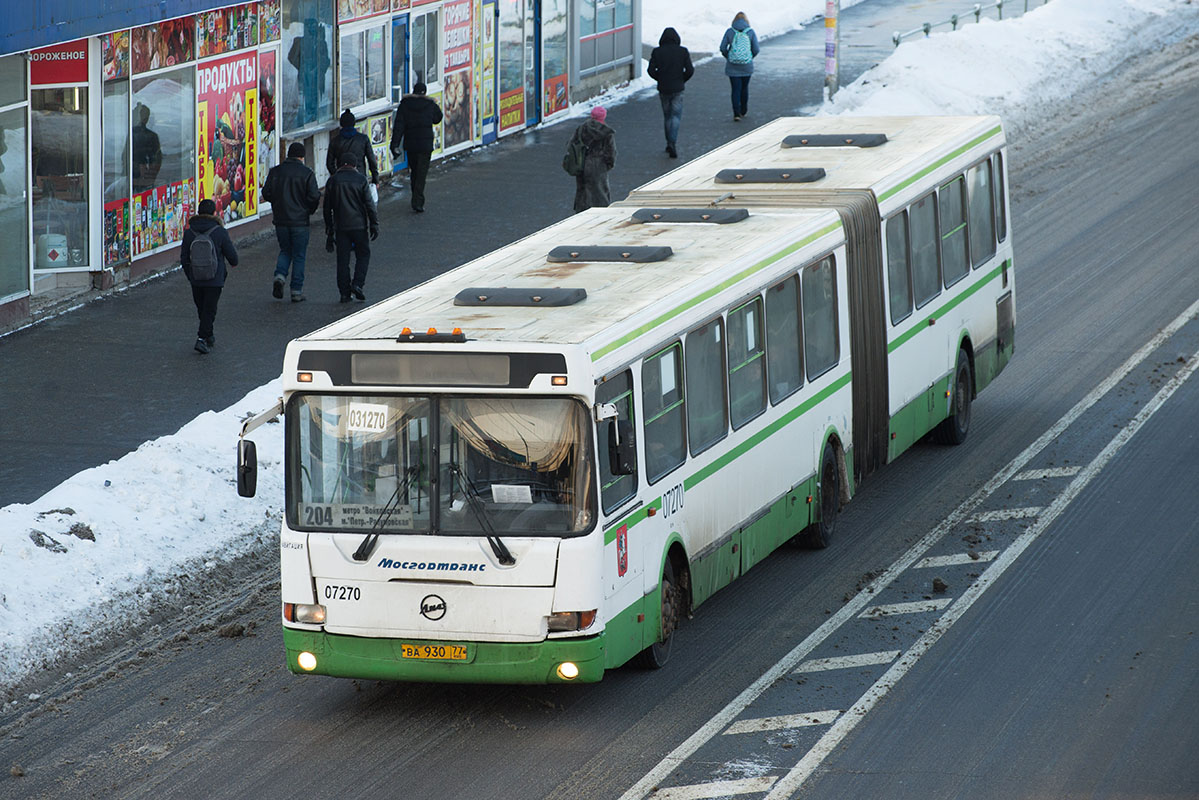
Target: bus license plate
{"points": [[434, 652]]}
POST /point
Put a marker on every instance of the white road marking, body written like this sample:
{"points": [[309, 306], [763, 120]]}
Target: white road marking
{"points": [[791, 782], [914, 607], [847, 662], [722, 718], [1007, 513], [957, 559], [1052, 472], [716, 789], [783, 722]]}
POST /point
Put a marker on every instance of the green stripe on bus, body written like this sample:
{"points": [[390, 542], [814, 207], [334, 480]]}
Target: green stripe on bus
{"points": [[940, 163], [710, 293], [732, 455], [907, 335]]}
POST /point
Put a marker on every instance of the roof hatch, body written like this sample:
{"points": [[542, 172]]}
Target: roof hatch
{"points": [[718, 216], [521, 296], [640, 255], [835, 140], [774, 175]]}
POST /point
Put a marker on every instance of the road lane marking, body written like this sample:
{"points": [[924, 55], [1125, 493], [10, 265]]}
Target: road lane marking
{"points": [[781, 723], [1052, 472], [716, 789], [912, 607], [847, 662], [847, 612], [957, 559], [1007, 513], [795, 778]]}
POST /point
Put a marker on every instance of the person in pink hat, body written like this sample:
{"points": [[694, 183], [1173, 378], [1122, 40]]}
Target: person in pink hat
{"points": [[599, 141]]}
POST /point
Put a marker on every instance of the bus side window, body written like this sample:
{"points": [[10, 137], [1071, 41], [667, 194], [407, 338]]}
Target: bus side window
{"points": [[662, 403], [899, 277], [784, 364], [1000, 199], [747, 363], [955, 252], [819, 294], [982, 213], [707, 407], [926, 266], [614, 489]]}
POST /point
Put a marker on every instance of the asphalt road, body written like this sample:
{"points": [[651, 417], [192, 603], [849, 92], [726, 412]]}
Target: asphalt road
{"points": [[1072, 675]]}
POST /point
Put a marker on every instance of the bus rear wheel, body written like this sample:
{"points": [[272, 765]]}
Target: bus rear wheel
{"points": [[657, 654], [819, 534], [955, 428]]}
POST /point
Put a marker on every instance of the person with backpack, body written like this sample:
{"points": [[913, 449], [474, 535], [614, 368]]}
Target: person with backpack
{"points": [[670, 65], [739, 48], [351, 224], [348, 140], [205, 251], [292, 191], [413, 130], [590, 153]]}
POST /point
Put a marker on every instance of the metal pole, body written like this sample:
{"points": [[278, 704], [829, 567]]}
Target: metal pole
{"points": [[832, 46]]}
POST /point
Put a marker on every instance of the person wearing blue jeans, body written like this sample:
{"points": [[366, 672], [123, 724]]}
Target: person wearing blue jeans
{"points": [[739, 48], [292, 191], [670, 65]]}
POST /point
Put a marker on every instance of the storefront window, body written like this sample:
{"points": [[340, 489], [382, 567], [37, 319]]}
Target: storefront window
{"points": [[553, 48], [363, 67], [14, 224], [399, 58], [60, 176], [426, 48], [268, 137], [114, 119], [12, 79], [512, 61], [307, 74], [163, 145]]}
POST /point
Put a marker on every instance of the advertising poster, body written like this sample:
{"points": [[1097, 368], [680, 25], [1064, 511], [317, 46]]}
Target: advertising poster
{"points": [[163, 45], [400, 5], [438, 138], [512, 109], [160, 215], [269, 24], [268, 137], [116, 232], [227, 134], [224, 30], [378, 130], [348, 10], [458, 72], [555, 95], [114, 55]]}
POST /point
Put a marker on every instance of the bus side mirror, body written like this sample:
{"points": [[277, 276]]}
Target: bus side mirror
{"points": [[247, 468], [622, 450]]}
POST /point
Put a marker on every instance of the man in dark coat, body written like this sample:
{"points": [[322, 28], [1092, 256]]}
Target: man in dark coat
{"points": [[670, 65], [413, 130], [207, 293], [347, 139], [291, 190], [350, 214], [591, 185]]}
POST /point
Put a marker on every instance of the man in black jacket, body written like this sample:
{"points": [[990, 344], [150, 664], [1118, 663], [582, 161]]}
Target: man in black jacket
{"points": [[291, 190], [206, 292], [349, 140], [413, 129], [670, 66], [349, 214]]}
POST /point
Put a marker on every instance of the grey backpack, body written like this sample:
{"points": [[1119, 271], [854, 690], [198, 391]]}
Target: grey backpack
{"points": [[203, 256]]}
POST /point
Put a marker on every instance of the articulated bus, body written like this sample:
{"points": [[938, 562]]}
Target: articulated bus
{"points": [[530, 469]]}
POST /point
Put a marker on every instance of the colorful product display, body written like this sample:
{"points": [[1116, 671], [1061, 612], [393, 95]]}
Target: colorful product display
{"points": [[160, 214]]}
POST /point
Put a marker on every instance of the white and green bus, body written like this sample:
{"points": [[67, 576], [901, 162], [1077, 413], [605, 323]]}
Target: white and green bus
{"points": [[531, 468]]}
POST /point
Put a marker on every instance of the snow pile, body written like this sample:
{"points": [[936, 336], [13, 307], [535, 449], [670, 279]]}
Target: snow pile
{"points": [[702, 24]]}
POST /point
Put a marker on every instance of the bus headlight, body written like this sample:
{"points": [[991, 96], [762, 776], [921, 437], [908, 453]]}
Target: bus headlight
{"points": [[570, 621], [313, 614], [568, 670], [307, 661]]}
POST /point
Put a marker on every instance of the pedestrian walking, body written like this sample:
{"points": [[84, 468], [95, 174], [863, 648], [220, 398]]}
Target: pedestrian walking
{"points": [[206, 250], [599, 144], [413, 131], [351, 224], [739, 48], [347, 139], [670, 65], [291, 190]]}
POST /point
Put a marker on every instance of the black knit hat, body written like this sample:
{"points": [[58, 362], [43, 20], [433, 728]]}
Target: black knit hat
{"points": [[348, 119]]}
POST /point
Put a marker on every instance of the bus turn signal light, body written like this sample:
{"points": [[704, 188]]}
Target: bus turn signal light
{"points": [[304, 377], [558, 380]]}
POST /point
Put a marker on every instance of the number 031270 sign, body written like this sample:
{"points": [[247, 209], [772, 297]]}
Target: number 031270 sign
{"points": [[367, 417]]}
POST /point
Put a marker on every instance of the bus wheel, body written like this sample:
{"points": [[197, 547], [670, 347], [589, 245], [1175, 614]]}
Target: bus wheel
{"points": [[657, 654], [954, 428], [819, 534]]}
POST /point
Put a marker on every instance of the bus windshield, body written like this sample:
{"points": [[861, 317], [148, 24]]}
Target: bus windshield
{"points": [[504, 465]]}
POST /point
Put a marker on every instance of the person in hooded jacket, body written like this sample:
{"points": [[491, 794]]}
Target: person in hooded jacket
{"points": [[351, 224], [670, 65], [591, 185], [206, 294], [347, 139], [739, 48], [413, 130]]}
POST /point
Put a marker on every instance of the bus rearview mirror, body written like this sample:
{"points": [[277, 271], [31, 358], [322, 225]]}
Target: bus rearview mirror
{"points": [[247, 468]]}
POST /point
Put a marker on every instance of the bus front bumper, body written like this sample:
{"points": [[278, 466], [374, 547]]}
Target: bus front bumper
{"points": [[489, 662]]}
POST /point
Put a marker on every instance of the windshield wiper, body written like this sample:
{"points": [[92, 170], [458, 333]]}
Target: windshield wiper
{"points": [[368, 544], [497, 545]]}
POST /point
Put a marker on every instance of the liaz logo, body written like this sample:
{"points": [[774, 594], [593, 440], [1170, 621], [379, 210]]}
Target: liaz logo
{"points": [[432, 607]]}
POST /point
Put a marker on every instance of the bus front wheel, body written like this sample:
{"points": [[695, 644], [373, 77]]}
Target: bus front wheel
{"points": [[657, 654], [819, 534], [956, 426]]}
